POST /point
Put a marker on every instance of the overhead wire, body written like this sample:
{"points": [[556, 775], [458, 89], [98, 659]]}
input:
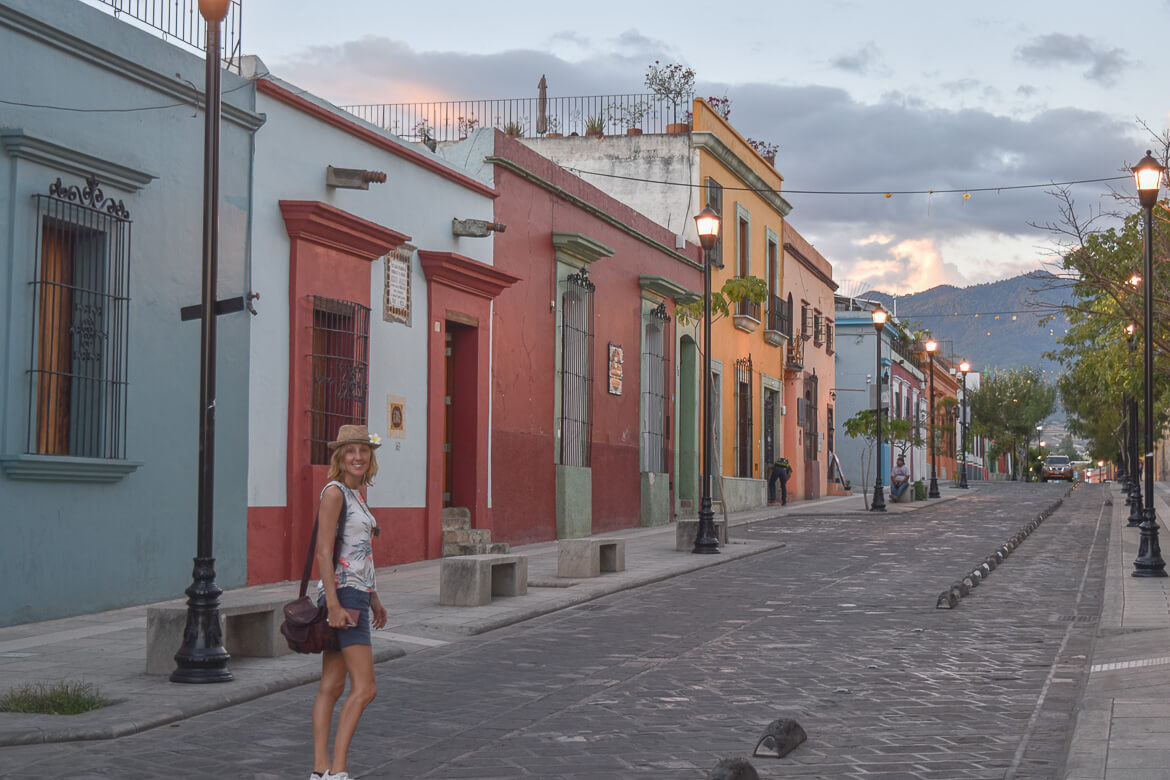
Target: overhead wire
{"points": [[886, 193]]}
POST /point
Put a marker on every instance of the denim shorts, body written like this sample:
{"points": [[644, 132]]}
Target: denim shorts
{"points": [[352, 598]]}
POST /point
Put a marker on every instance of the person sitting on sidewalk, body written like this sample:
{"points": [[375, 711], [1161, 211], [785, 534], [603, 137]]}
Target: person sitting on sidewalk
{"points": [[899, 480]]}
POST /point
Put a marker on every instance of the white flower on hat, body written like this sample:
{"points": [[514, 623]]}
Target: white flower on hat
{"points": [[375, 439]]}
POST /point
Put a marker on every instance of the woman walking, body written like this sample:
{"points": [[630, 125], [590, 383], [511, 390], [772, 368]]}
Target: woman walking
{"points": [[351, 469]]}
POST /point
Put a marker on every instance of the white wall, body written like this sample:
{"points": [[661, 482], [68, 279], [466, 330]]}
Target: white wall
{"points": [[292, 152]]}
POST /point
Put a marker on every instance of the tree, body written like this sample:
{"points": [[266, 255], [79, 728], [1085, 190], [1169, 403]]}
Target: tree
{"points": [[671, 82], [900, 434], [1099, 264], [1008, 406], [1067, 447], [750, 288]]}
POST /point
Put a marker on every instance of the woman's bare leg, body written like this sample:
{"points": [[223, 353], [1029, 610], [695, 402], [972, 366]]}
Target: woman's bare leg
{"points": [[328, 692], [359, 663]]}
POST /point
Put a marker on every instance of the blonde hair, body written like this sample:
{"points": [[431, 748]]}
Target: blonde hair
{"points": [[336, 465]]}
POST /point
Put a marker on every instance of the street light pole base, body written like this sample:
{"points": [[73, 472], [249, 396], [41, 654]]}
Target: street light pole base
{"points": [[1149, 562], [879, 499], [1136, 512], [933, 492], [202, 658], [706, 543]]}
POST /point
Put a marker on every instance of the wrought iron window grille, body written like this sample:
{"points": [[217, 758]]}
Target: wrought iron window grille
{"points": [[340, 370], [656, 339], [744, 409], [576, 422], [78, 365]]}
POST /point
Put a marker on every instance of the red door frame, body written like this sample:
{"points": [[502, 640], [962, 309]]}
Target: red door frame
{"points": [[330, 252], [459, 290]]}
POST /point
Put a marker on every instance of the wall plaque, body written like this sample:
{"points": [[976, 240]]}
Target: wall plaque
{"points": [[616, 361]]}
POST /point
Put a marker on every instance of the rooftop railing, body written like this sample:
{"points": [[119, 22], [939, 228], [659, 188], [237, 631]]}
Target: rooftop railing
{"points": [[589, 115], [179, 22]]}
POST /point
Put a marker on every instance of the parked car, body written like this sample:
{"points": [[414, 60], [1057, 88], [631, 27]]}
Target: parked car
{"points": [[1056, 467]]}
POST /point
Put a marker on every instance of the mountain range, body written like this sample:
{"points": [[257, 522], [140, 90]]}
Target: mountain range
{"points": [[1006, 324]]}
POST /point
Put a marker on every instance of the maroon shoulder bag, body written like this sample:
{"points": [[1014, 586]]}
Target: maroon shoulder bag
{"points": [[306, 625]]}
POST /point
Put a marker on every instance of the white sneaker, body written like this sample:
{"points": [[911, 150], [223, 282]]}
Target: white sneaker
{"points": [[339, 776]]}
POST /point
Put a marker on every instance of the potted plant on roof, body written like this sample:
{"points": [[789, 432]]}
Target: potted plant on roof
{"points": [[594, 126], [674, 84], [466, 124], [513, 129], [767, 149], [629, 115]]}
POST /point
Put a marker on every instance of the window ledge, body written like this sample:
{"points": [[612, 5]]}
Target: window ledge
{"points": [[746, 323], [774, 337], [63, 468]]}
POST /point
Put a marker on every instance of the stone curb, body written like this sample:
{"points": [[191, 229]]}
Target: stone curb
{"points": [[950, 598], [110, 722]]}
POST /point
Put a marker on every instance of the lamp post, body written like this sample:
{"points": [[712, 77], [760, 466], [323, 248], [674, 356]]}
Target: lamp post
{"points": [[707, 224], [879, 495], [964, 367], [202, 658], [1135, 487], [1148, 176], [931, 346]]}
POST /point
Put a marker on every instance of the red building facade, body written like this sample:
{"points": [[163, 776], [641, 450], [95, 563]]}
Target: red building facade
{"points": [[589, 362]]}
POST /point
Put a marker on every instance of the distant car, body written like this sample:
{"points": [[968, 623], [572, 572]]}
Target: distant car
{"points": [[1056, 467]]}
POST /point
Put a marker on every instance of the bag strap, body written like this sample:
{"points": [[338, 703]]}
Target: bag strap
{"points": [[313, 544]]}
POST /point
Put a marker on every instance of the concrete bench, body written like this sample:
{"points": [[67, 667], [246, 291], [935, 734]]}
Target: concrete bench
{"points": [[250, 628], [472, 580], [589, 557], [687, 528]]}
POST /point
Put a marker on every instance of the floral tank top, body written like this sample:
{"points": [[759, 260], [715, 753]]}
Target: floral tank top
{"points": [[355, 558]]}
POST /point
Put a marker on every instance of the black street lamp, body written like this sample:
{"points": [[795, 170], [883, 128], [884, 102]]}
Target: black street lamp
{"points": [[202, 657], [931, 346], [1149, 563], [964, 367], [706, 542], [879, 495], [1135, 487]]}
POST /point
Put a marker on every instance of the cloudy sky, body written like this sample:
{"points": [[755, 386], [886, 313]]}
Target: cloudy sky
{"points": [[859, 95]]}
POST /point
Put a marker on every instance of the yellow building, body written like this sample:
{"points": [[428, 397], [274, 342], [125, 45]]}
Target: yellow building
{"points": [[747, 348], [670, 177]]}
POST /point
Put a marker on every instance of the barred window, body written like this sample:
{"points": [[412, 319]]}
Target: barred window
{"points": [[806, 325], [811, 383], [341, 356], [818, 328], [81, 306], [715, 200], [829, 337], [743, 426], [576, 423], [655, 329]]}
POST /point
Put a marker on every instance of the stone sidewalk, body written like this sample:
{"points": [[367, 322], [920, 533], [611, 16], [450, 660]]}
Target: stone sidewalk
{"points": [[108, 649], [1123, 726]]}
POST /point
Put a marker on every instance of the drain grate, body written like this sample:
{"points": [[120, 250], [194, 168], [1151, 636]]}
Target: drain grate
{"points": [[1077, 619]]}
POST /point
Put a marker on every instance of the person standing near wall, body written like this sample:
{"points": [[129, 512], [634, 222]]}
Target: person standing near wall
{"points": [[351, 586], [781, 471]]}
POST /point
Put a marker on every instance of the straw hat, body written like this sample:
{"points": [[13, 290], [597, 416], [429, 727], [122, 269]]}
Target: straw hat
{"points": [[356, 434]]}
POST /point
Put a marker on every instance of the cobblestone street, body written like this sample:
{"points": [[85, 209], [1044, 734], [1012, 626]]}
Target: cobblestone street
{"points": [[838, 629]]}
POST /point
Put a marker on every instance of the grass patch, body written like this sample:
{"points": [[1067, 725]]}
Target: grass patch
{"points": [[61, 698]]}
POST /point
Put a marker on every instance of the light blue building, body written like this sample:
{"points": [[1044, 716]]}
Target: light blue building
{"points": [[902, 389], [101, 148]]}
